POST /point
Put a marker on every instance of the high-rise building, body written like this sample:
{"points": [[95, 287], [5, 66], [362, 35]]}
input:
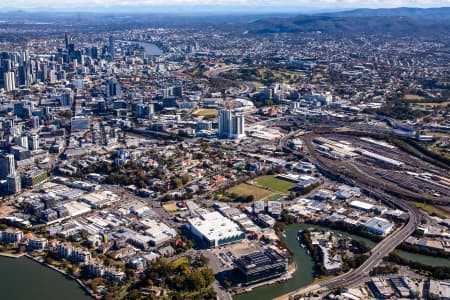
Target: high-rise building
{"points": [[7, 166], [111, 47], [231, 126], [22, 141], [33, 142], [35, 122], [14, 184], [67, 40], [66, 99], [238, 127], [9, 80], [224, 123], [112, 88]]}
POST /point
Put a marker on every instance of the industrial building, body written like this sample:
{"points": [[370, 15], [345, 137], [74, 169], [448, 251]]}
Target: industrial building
{"points": [[379, 226], [215, 230], [158, 232]]}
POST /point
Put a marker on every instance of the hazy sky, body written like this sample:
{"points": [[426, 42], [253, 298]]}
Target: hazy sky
{"points": [[258, 4]]}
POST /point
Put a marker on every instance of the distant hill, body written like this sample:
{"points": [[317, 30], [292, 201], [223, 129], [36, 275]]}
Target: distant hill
{"points": [[442, 13], [400, 21]]}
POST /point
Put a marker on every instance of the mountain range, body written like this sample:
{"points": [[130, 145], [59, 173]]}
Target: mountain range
{"points": [[397, 21]]}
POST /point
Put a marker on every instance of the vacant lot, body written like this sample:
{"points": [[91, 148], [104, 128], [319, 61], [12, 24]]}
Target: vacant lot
{"points": [[433, 104], [245, 189], [430, 209], [412, 97], [171, 208], [275, 184], [206, 113]]}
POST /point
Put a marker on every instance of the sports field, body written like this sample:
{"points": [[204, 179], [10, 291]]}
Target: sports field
{"points": [[275, 184], [245, 189], [206, 113]]}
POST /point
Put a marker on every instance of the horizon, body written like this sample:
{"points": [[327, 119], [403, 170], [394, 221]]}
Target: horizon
{"points": [[212, 6]]}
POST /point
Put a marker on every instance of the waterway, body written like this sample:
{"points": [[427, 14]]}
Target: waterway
{"points": [[304, 274], [25, 279], [151, 49]]}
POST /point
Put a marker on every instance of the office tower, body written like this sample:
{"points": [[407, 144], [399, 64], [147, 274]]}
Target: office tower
{"points": [[14, 184], [33, 142], [66, 99], [67, 40], [112, 88], [35, 122], [94, 52], [52, 76], [6, 65], [7, 166], [62, 75], [9, 81], [177, 91], [24, 75], [22, 141], [224, 123], [111, 47]]}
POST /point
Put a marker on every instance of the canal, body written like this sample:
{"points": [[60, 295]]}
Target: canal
{"points": [[25, 279], [304, 274]]}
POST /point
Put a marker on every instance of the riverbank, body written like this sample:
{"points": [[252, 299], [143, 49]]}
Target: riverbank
{"points": [[66, 274], [304, 274], [9, 255]]}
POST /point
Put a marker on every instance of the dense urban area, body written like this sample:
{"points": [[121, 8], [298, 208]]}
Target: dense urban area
{"points": [[174, 161]]}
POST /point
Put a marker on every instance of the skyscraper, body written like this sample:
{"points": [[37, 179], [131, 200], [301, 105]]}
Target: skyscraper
{"points": [[67, 40], [231, 126], [111, 47], [9, 80], [224, 124], [33, 142], [7, 166], [112, 88], [238, 127], [14, 184]]}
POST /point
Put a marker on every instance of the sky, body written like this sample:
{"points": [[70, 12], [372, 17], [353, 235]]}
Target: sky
{"points": [[217, 4]]}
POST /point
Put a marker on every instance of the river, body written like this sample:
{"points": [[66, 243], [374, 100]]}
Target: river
{"points": [[304, 273], [151, 49], [25, 279]]}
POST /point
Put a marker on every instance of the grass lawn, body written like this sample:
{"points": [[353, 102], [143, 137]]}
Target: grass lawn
{"points": [[430, 209], [275, 184], [274, 197], [245, 189], [206, 113]]}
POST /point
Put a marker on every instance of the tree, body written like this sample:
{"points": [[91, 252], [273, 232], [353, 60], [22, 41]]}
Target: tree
{"points": [[176, 182]]}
